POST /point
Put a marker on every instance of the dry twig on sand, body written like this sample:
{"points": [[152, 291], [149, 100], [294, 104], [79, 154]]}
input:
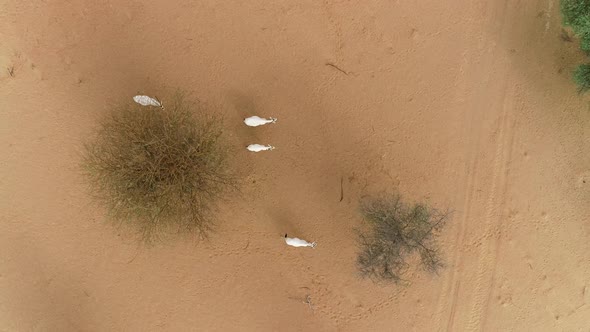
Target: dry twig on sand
{"points": [[337, 68], [341, 188]]}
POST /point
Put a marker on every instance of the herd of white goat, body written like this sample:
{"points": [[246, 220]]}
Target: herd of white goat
{"points": [[253, 121]]}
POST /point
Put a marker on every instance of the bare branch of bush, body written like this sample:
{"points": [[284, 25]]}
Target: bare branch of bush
{"points": [[395, 232], [161, 170]]}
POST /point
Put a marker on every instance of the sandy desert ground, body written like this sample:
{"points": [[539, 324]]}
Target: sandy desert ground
{"points": [[467, 104]]}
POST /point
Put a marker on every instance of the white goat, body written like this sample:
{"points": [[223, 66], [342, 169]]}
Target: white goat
{"points": [[259, 147], [147, 101], [295, 242], [255, 121]]}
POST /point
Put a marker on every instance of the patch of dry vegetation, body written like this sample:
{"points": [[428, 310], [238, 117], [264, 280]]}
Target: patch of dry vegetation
{"points": [[160, 170], [395, 232]]}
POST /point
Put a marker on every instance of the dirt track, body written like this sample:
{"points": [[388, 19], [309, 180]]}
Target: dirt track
{"points": [[468, 104]]}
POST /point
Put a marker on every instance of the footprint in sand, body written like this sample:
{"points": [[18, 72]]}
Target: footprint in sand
{"points": [[6, 67], [583, 180]]}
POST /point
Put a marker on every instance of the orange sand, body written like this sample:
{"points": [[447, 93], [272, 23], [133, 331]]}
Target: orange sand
{"points": [[468, 104]]}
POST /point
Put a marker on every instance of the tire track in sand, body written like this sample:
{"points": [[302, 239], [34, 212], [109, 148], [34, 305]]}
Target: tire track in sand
{"points": [[483, 220], [495, 205], [482, 215]]}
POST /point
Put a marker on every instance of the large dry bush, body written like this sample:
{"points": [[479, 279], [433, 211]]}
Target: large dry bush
{"points": [[160, 170], [396, 231]]}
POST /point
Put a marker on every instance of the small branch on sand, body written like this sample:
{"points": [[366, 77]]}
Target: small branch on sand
{"points": [[336, 67], [134, 257], [341, 188]]}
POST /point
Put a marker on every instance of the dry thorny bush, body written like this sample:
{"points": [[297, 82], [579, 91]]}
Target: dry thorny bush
{"points": [[159, 169], [397, 231]]}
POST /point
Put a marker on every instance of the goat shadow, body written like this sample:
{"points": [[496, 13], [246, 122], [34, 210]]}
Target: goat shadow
{"points": [[283, 222], [244, 106]]}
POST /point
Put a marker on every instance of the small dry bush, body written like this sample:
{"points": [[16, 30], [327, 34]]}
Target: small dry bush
{"points": [[395, 232], [160, 170]]}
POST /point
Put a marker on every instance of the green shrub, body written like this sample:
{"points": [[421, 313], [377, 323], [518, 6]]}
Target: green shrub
{"points": [[585, 43], [160, 170], [395, 232], [582, 77], [575, 13]]}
